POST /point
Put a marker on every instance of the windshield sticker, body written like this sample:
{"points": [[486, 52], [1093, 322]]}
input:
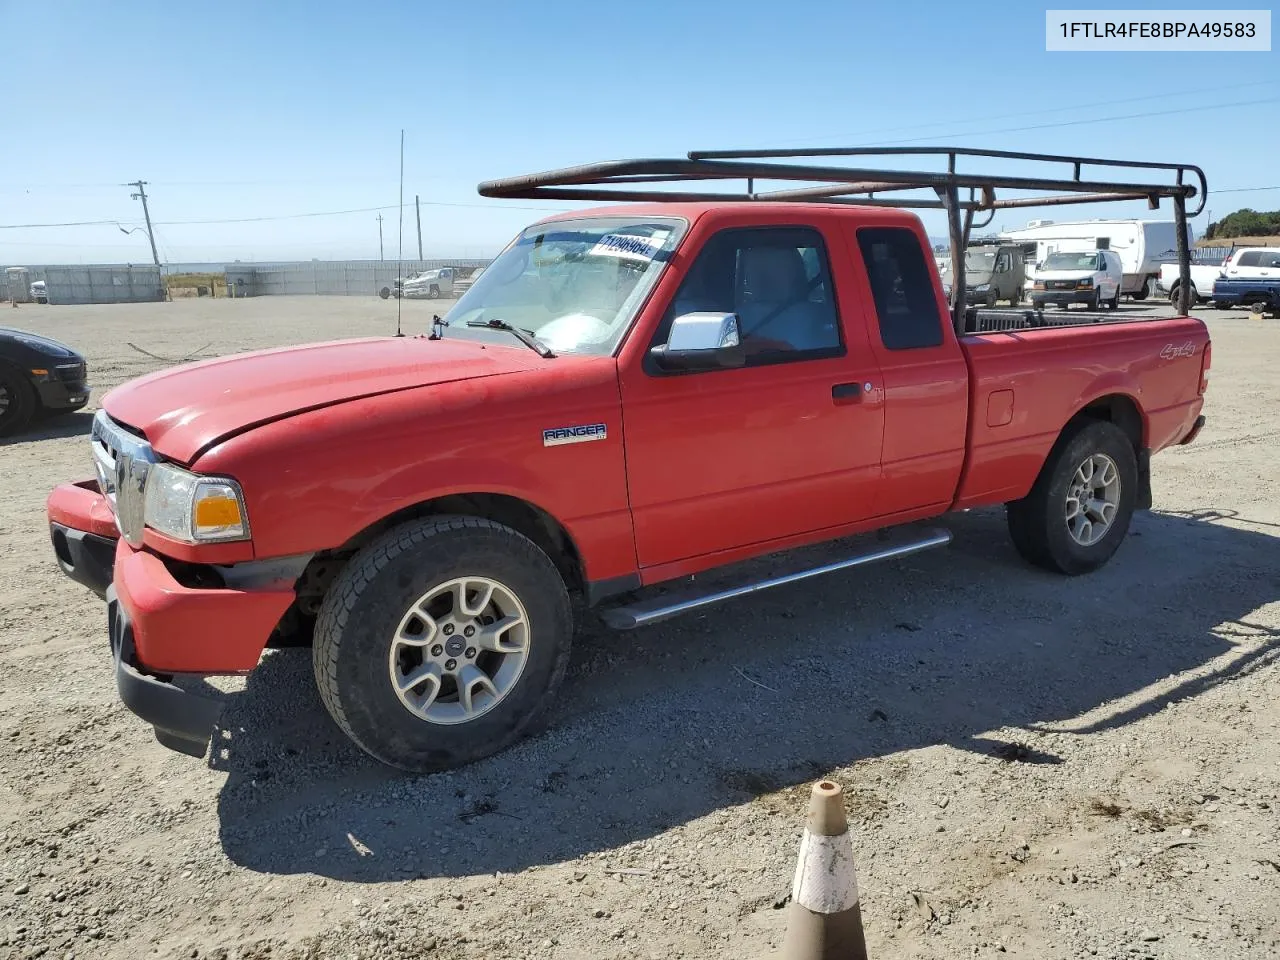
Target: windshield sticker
{"points": [[628, 246]]}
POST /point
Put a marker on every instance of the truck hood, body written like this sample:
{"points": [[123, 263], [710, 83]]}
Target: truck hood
{"points": [[186, 409]]}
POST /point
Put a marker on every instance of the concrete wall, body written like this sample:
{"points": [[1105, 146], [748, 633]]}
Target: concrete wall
{"points": [[343, 278], [102, 284]]}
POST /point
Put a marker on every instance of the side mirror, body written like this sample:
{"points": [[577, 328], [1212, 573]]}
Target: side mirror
{"points": [[701, 341]]}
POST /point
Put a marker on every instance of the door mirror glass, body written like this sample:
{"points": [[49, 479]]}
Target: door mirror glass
{"points": [[701, 341]]}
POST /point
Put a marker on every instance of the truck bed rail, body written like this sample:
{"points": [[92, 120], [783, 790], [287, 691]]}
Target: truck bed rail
{"points": [[998, 319]]}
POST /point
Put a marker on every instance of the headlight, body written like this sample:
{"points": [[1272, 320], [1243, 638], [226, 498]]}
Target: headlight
{"points": [[192, 508], [1038, 285], [1086, 282], [982, 287]]}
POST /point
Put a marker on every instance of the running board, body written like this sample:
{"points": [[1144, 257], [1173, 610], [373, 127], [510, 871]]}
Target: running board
{"points": [[645, 612]]}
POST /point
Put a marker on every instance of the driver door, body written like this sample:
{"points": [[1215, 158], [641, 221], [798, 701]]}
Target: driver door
{"points": [[786, 445]]}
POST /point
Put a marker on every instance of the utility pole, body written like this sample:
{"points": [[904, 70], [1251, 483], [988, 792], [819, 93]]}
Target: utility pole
{"points": [[142, 195], [380, 257], [417, 205]]}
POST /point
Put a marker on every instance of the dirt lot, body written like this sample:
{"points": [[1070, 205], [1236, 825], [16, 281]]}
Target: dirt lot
{"points": [[1036, 767]]}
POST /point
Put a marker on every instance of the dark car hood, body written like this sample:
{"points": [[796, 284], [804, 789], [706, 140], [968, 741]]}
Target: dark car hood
{"points": [[47, 346]]}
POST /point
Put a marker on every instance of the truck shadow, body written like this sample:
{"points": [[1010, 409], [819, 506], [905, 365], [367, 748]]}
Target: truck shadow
{"points": [[667, 724], [50, 427]]}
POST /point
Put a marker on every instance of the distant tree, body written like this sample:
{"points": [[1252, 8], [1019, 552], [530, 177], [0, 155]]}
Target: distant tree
{"points": [[1245, 223]]}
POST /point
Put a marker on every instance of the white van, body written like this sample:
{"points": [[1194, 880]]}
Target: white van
{"points": [[1142, 245], [1092, 277]]}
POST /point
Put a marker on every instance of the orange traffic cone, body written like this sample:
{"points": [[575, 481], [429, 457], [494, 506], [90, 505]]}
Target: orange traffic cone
{"points": [[824, 920]]}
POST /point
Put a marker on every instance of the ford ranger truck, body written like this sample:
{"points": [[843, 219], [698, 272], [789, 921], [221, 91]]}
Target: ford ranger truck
{"points": [[626, 397]]}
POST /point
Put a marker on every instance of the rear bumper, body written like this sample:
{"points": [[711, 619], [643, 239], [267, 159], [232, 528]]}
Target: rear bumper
{"points": [[1194, 432], [158, 625]]}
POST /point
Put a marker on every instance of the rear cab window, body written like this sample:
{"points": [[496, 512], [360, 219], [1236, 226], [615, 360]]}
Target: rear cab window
{"points": [[902, 288]]}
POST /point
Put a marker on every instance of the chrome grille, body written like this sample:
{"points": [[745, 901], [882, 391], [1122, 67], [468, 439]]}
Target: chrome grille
{"points": [[122, 461]]}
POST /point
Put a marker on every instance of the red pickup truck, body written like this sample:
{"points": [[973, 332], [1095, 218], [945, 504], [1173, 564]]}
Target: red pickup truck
{"points": [[626, 396]]}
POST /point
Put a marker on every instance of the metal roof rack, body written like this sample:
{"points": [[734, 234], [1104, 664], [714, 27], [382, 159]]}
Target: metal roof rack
{"points": [[959, 193]]}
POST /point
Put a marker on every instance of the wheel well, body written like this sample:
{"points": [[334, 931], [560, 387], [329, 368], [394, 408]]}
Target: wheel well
{"points": [[520, 515], [1118, 409]]}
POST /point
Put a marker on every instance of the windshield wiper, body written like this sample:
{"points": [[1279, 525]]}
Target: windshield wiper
{"points": [[526, 337]]}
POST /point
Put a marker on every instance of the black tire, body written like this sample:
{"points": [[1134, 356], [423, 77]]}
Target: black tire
{"points": [[1142, 291], [991, 298], [1114, 302], [1038, 524], [1015, 297], [365, 604], [1222, 305], [433, 293], [18, 401], [1093, 302]]}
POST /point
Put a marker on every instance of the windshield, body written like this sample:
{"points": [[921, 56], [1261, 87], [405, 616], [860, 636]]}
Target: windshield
{"points": [[1071, 261], [975, 261], [574, 284]]}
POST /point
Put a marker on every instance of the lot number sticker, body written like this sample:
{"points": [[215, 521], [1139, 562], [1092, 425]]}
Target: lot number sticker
{"points": [[627, 246]]}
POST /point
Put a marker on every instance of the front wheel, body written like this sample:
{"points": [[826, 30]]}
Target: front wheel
{"points": [[433, 293], [443, 642], [1078, 512], [18, 401]]}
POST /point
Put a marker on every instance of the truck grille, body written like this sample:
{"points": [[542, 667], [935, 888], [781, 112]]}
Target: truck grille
{"points": [[122, 461], [1059, 284]]}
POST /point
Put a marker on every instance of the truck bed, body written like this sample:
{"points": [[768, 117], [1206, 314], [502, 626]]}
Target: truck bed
{"points": [[1031, 372]]}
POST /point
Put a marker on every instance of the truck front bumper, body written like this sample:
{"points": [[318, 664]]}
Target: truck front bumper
{"points": [[1063, 297], [63, 396], [157, 625]]}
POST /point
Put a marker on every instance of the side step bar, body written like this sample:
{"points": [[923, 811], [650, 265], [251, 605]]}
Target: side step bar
{"points": [[646, 612]]}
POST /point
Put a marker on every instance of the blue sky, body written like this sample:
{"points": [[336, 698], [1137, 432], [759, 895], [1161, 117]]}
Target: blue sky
{"points": [[235, 110]]}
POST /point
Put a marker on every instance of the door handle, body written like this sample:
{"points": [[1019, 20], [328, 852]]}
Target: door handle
{"points": [[849, 391]]}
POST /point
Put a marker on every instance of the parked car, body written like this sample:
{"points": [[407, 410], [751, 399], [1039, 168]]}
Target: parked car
{"points": [[643, 394], [38, 375], [992, 272], [1092, 278], [1253, 263], [1142, 245], [39, 292], [1261, 294], [1203, 276], [430, 284]]}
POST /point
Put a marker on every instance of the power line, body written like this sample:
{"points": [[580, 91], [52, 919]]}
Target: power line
{"points": [[1078, 123], [1039, 112]]}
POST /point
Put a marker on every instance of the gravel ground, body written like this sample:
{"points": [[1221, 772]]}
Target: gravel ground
{"points": [[1035, 766]]}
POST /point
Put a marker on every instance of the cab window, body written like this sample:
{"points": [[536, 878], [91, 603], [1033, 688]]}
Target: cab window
{"points": [[902, 288], [777, 280]]}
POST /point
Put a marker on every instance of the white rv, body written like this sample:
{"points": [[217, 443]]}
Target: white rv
{"points": [[1142, 245]]}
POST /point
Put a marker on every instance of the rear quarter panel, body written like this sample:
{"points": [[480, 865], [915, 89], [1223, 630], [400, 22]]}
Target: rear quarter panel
{"points": [[1026, 385]]}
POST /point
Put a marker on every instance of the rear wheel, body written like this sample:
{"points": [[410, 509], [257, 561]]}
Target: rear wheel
{"points": [[443, 642], [18, 402], [1078, 512], [1143, 291]]}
